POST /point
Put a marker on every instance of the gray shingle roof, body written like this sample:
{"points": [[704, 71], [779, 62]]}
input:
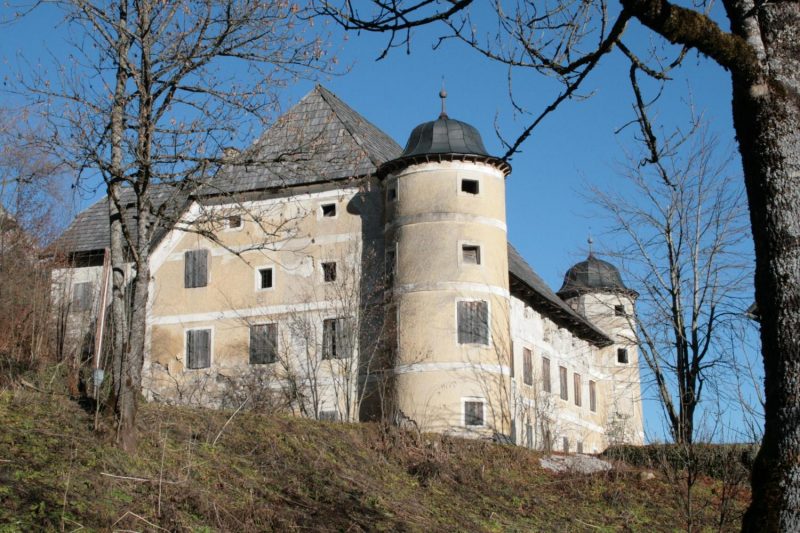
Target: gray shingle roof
{"points": [[319, 139], [526, 284], [90, 229]]}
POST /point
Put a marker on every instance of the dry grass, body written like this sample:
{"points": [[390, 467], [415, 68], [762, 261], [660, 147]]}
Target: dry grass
{"points": [[285, 474]]}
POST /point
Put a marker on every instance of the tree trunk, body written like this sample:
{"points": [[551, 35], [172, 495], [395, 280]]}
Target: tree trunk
{"points": [[767, 121]]}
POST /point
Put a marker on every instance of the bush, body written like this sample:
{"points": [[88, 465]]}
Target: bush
{"points": [[713, 460]]}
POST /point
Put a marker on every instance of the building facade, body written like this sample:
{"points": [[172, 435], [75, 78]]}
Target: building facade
{"points": [[327, 272]]}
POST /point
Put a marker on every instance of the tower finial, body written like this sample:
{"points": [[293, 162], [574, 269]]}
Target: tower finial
{"points": [[591, 242], [443, 96]]}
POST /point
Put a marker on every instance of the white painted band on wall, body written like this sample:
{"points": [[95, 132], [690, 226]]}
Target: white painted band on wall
{"points": [[453, 367], [440, 166], [427, 218], [245, 313], [452, 286]]}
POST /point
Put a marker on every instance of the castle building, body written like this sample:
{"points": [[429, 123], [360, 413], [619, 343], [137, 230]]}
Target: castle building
{"points": [[328, 272]]}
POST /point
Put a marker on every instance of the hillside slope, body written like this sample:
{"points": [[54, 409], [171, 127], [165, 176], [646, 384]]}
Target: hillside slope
{"points": [[270, 473]]}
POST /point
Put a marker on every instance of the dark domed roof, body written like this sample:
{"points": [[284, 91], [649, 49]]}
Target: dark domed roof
{"points": [[592, 275], [444, 136]]}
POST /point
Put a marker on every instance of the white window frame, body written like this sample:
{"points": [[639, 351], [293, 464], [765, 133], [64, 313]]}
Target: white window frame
{"points": [[461, 263], [464, 400], [488, 322], [258, 277], [210, 348]]}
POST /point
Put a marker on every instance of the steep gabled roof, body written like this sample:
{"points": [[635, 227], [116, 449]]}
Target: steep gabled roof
{"points": [[527, 285], [319, 139]]}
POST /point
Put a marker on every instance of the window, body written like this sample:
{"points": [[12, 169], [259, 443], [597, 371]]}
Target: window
{"points": [[263, 344], [331, 416], [265, 279], [329, 272], [473, 413], [470, 186], [619, 310], [335, 342], [592, 396], [328, 210], [195, 268], [527, 367], [470, 254], [233, 222], [580, 446], [562, 373], [529, 435], [622, 356], [546, 375], [198, 348], [565, 444], [576, 379], [391, 194], [473, 322], [82, 296]]}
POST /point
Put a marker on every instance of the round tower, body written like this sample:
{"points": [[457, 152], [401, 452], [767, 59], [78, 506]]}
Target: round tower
{"points": [[447, 257], [594, 288]]}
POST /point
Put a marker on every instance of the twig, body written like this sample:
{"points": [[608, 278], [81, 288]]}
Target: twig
{"points": [[161, 470], [228, 421], [141, 479], [136, 516], [66, 488]]}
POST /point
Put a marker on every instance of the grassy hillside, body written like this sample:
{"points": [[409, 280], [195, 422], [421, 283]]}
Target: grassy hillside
{"points": [[273, 473]]}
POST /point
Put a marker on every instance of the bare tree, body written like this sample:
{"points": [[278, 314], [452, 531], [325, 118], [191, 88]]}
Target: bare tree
{"points": [[567, 40], [682, 231], [150, 95]]}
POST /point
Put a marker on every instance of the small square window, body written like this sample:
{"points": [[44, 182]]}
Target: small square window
{"points": [[328, 210], [470, 186], [391, 194], [471, 254], [473, 413], [265, 278], [622, 356], [329, 272], [233, 222], [619, 310]]}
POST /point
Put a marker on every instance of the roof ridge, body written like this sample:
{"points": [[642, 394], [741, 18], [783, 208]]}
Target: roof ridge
{"points": [[327, 95]]}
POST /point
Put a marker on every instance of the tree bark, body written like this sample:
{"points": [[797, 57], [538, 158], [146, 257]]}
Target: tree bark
{"points": [[766, 113]]}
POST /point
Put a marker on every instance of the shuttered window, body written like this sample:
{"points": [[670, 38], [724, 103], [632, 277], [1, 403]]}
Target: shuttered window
{"points": [[336, 342], [562, 374], [473, 413], [82, 296], [195, 268], [546, 385], [592, 396], [473, 322], [527, 366], [576, 378], [263, 344], [198, 348]]}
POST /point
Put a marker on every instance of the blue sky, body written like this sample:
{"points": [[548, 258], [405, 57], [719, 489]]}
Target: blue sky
{"points": [[576, 147]]}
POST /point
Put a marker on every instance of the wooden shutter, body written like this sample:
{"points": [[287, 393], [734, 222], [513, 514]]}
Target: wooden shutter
{"points": [[592, 396], [344, 339], [329, 338], [546, 375], [82, 296], [527, 367], [473, 327], [195, 268], [562, 371], [576, 378], [263, 341], [198, 348]]}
